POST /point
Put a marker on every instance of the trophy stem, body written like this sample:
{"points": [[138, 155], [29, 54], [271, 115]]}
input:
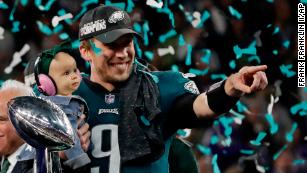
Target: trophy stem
{"points": [[40, 161]]}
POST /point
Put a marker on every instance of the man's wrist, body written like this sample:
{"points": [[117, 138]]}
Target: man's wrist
{"points": [[218, 100]]}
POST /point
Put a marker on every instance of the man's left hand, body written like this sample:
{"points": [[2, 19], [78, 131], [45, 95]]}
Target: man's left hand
{"points": [[249, 79]]}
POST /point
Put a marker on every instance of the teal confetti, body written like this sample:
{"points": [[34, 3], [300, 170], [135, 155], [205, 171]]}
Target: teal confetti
{"points": [[216, 168], [241, 106], [254, 58], [226, 123], [273, 125], [97, 51], [234, 12], [37, 3], [75, 44], [167, 11], [247, 152], [89, 2], [300, 108], [270, 1], [250, 50], [13, 11], [171, 2], [1, 82], [145, 33], [232, 64], [49, 4], [203, 149], [169, 34], [286, 70], [64, 36], [189, 16], [46, 7], [181, 7], [275, 52], [218, 76], [149, 55], [3, 5], [276, 155], [237, 50], [286, 44], [24, 2], [44, 28], [137, 48], [289, 135], [181, 132], [206, 57], [276, 30], [58, 28], [120, 5], [145, 120], [130, 6], [298, 162], [181, 40], [175, 68], [257, 141], [78, 16], [214, 139], [198, 72], [188, 59], [303, 1], [16, 26], [137, 27], [237, 115], [204, 17]]}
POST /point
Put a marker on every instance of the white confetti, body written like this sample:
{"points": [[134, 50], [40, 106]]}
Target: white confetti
{"points": [[17, 58], [197, 20], [272, 102], [165, 51], [56, 19], [259, 167], [154, 3], [1, 33]]}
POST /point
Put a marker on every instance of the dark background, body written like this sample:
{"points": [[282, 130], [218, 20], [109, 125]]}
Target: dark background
{"points": [[210, 47]]}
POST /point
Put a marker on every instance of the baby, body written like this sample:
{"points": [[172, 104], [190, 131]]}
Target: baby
{"points": [[57, 77]]}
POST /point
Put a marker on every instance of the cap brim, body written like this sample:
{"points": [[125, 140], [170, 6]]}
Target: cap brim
{"points": [[113, 35]]}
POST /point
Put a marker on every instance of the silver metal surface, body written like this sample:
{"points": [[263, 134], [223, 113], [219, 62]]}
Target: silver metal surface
{"points": [[41, 123]]}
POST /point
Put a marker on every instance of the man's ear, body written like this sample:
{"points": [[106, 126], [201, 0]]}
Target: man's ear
{"points": [[85, 53]]}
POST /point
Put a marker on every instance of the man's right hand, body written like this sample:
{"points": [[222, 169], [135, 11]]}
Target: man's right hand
{"points": [[84, 133]]}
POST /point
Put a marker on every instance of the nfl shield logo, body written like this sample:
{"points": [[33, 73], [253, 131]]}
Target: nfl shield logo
{"points": [[109, 98]]}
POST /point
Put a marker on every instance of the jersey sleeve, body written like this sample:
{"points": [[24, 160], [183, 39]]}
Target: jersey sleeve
{"points": [[177, 97]]}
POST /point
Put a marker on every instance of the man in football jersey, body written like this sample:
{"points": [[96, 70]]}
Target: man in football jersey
{"points": [[134, 113]]}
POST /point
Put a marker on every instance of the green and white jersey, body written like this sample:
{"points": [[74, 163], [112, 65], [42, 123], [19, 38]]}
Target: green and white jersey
{"points": [[104, 117]]}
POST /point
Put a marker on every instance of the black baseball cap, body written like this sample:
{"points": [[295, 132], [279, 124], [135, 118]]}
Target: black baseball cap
{"points": [[105, 23]]}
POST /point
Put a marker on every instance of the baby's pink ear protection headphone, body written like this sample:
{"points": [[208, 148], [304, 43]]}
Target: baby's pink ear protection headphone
{"points": [[45, 83]]}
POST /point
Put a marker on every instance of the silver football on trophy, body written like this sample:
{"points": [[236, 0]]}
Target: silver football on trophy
{"points": [[41, 123]]}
